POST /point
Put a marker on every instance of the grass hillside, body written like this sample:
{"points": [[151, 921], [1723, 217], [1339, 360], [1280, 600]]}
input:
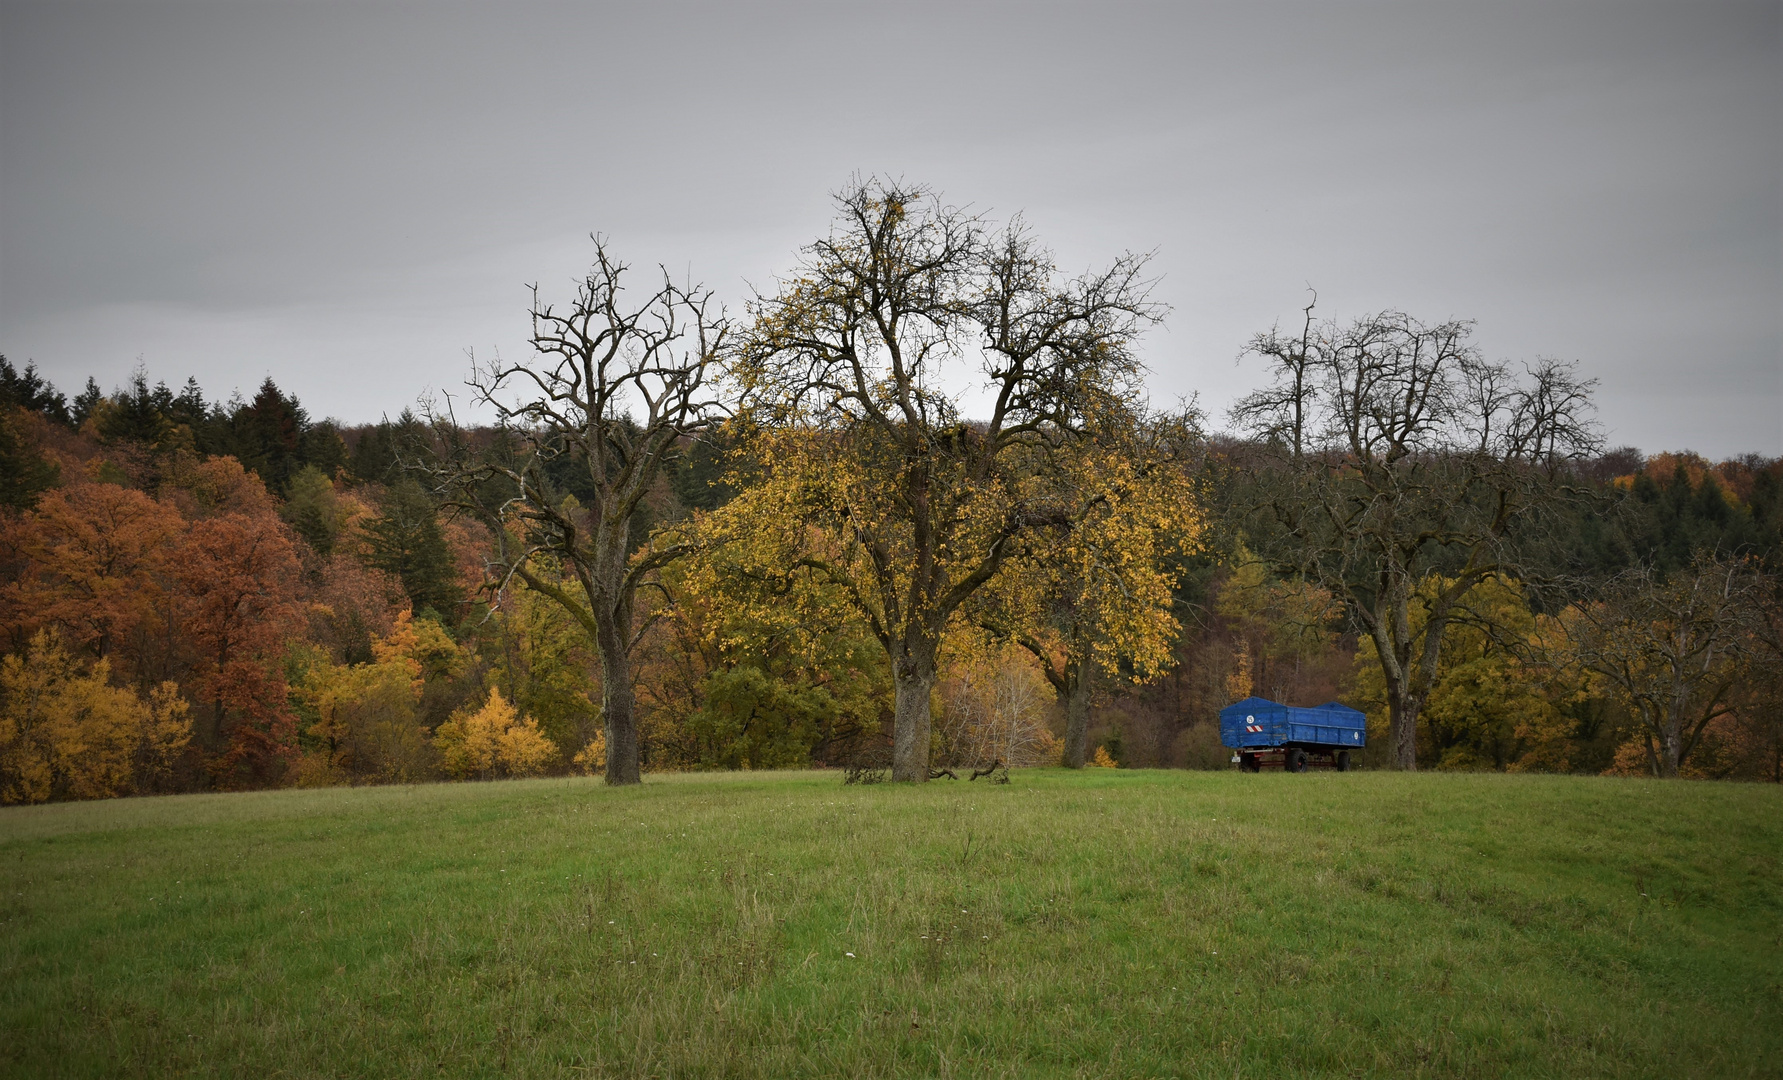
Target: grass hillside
{"points": [[1142, 924]]}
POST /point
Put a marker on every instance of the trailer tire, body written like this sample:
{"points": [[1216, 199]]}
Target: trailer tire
{"points": [[1343, 761], [1296, 761], [1249, 763]]}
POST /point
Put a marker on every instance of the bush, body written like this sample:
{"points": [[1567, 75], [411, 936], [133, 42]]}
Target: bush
{"points": [[492, 741]]}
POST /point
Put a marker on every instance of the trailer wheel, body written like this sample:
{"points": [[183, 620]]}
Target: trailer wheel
{"points": [[1343, 761], [1249, 763], [1296, 761]]}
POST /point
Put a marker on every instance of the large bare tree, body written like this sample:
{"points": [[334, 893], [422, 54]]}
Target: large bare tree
{"points": [[613, 386], [1391, 453], [904, 305]]}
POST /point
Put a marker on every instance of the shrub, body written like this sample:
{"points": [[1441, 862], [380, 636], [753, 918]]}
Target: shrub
{"points": [[493, 741]]}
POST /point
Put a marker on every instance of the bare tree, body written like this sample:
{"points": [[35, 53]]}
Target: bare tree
{"points": [[1674, 649], [1765, 693], [995, 714], [613, 386], [1394, 453], [904, 303]]}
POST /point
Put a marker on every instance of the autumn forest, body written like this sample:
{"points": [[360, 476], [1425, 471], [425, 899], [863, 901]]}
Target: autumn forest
{"points": [[909, 514]]}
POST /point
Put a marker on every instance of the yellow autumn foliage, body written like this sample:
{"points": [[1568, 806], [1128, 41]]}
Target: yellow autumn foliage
{"points": [[65, 734], [1288, 618], [422, 646], [1487, 709], [367, 724], [1239, 681], [1101, 591], [494, 740], [591, 760]]}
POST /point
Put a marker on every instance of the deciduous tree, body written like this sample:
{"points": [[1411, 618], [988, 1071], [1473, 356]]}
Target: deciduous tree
{"points": [[95, 558], [542, 660], [239, 576], [861, 351], [740, 620], [1673, 648], [1392, 451], [314, 510], [1091, 598], [1488, 706], [68, 733], [612, 387], [365, 726], [493, 740]]}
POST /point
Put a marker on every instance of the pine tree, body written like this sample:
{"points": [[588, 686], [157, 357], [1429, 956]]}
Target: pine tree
{"points": [[23, 471], [406, 541], [29, 390], [268, 434], [85, 402]]}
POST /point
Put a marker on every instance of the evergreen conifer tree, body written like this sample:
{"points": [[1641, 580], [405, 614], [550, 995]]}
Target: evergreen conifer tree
{"points": [[406, 542]]}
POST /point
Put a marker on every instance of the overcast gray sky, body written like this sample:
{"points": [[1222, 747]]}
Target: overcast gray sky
{"points": [[347, 196]]}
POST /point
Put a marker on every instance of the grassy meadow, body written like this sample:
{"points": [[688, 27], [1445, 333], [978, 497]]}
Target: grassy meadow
{"points": [[1110, 923]]}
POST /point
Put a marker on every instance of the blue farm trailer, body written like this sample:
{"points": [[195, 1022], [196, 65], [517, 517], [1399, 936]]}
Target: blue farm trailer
{"points": [[1269, 735]]}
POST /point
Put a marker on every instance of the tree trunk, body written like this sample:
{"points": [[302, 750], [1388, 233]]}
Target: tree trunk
{"points": [[1402, 713], [618, 709], [1077, 713], [1670, 749], [914, 680]]}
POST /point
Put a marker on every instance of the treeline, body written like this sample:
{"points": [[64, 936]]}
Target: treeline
{"points": [[176, 622], [773, 545]]}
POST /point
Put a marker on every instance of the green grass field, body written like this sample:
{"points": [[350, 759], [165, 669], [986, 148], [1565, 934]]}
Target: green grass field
{"points": [[1144, 924]]}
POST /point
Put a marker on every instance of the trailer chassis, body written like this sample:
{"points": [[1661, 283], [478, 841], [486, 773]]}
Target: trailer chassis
{"points": [[1291, 757]]}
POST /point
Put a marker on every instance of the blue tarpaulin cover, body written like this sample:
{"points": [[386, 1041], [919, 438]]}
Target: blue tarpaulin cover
{"points": [[1258, 721]]}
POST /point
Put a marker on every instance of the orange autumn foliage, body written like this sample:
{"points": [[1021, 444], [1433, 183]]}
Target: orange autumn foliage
{"points": [[239, 576], [94, 561], [211, 486]]}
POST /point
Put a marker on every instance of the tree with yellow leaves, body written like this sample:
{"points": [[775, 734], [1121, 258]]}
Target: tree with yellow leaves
{"points": [[757, 664], [366, 726], [542, 659], [850, 364], [591, 760], [993, 702], [1091, 598], [65, 734], [492, 741], [1488, 706], [1279, 620]]}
